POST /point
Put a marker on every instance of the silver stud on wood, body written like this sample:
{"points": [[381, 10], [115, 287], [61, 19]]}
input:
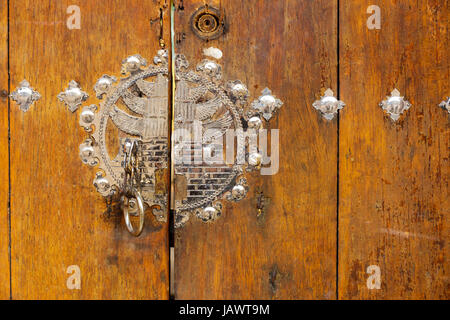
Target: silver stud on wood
{"points": [[445, 104]]}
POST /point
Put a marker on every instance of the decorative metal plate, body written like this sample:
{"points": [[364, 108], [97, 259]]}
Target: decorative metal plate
{"points": [[395, 105], [24, 95], [137, 107], [206, 109]]}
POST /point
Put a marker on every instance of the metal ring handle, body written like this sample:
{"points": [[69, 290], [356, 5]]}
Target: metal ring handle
{"points": [[126, 215]]}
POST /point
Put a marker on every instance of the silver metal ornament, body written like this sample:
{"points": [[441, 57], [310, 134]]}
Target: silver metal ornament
{"points": [[73, 96], [24, 95], [205, 110], [137, 106]]}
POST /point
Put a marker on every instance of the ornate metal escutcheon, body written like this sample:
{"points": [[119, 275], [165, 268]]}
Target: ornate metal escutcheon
{"points": [[206, 109], [73, 96]]}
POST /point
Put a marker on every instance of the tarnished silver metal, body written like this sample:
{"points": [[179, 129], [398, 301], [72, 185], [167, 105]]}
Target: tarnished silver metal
{"points": [[267, 104], [328, 105], [73, 96], [395, 105], [445, 104], [135, 107], [237, 90], [127, 207], [131, 199], [24, 95], [206, 109]]}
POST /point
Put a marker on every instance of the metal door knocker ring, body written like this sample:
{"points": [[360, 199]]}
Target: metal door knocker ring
{"points": [[131, 199], [136, 207]]}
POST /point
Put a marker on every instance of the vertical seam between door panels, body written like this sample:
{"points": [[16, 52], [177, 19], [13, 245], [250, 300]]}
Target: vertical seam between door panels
{"points": [[9, 153], [338, 146]]}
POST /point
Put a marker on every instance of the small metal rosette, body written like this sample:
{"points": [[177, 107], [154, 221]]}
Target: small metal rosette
{"points": [[215, 139], [209, 116]]}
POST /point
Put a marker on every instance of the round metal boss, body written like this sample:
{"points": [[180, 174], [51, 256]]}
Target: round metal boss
{"points": [[207, 23]]}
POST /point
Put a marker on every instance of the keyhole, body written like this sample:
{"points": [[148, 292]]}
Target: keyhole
{"points": [[207, 23]]}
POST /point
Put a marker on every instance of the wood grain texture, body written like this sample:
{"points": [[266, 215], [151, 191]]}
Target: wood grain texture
{"points": [[289, 252], [4, 158], [56, 213], [394, 204]]}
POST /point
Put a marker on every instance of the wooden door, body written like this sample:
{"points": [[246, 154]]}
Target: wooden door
{"points": [[57, 218]]}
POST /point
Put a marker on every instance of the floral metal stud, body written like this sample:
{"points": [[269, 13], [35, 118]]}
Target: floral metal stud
{"points": [[267, 104], [133, 64], [395, 105], [103, 84], [73, 96], [24, 95], [445, 104], [210, 68], [328, 105], [237, 90]]}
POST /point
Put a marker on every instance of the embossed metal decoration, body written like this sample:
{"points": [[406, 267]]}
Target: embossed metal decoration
{"points": [[24, 95], [73, 96], [206, 110], [328, 105], [445, 104], [395, 105], [136, 109]]}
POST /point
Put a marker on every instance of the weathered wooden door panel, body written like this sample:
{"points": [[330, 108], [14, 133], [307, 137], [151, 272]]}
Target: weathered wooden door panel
{"points": [[289, 250], [56, 213], [394, 204], [4, 158]]}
